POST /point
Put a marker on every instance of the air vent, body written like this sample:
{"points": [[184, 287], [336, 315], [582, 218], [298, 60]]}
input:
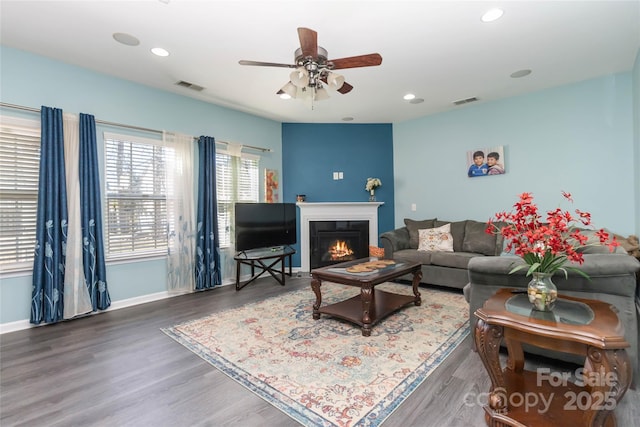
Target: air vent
{"points": [[465, 101], [190, 86]]}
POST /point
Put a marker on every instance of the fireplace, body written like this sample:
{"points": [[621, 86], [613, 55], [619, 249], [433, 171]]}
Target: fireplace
{"points": [[334, 211], [332, 242]]}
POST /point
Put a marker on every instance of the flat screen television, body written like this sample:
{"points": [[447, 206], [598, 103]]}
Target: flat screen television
{"points": [[264, 225]]}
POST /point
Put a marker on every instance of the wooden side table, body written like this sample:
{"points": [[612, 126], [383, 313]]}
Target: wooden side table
{"points": [[542, 398]]}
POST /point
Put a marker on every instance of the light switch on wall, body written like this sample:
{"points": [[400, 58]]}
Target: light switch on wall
{"points": [[413, 207], [340, 175], [335, 175]]}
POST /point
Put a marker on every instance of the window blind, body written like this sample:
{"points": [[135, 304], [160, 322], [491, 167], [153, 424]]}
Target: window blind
{"points": [[136, 203], [19, 166], [236, 181]]}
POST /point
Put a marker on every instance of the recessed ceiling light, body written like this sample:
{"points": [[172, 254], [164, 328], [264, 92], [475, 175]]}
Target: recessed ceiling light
{"points": [[520, 73], [285, 96], [409, 97], [159, 51], [492, 15], [127, 39]]}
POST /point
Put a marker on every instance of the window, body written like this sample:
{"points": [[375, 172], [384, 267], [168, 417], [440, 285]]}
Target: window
{"points": [[19, 166], [136, 205], [236, 181]]}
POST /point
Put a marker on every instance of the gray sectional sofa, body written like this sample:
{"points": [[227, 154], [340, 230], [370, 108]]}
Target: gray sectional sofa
{"points": [[478, 265], [442, 268]]}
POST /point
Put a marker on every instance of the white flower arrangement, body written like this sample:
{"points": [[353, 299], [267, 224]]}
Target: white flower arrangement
{"points": [[372, 183]]}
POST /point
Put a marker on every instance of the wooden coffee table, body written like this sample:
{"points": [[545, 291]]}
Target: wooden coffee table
{"points": [[579, 326], [371, 305]]}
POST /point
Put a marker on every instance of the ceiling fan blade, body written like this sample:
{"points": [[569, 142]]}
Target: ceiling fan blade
{"points": [[369, 60], [308, 42], [265, 64], [345, 88]]}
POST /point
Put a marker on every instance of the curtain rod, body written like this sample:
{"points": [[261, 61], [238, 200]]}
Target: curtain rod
{"points": [[102, 122]]}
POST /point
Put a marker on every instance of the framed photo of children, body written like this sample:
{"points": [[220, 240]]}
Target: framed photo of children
{"points": [[485, 161]]}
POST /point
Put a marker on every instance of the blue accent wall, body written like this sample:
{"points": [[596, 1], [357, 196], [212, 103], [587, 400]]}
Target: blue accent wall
{"points": [[311, 153]]}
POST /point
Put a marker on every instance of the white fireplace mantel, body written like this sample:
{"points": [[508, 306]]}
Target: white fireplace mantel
{"points": [[335, 211]]}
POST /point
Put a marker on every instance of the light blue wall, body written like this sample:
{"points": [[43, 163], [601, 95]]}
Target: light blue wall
{"points": [[577, 138], [312, 152], [33, 81]]}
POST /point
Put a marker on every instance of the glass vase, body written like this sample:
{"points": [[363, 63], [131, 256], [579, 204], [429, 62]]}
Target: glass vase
{"points": [[542, 291], [372, 196]]}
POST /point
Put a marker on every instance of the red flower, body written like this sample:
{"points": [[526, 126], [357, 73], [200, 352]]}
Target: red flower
{"points": [[567, 196], [545, 247]]}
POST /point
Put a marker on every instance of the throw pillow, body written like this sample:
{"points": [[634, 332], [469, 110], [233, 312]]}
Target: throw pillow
{"points": [[436, 239], [477, 240], [376, 251], [414, 226], [457, 231]]}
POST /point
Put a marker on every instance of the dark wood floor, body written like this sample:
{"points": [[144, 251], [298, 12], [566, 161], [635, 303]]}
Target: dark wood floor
{"points": [[119, 369]]}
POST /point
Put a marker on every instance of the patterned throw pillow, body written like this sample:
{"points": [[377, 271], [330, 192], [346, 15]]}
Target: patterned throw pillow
{"points": [[376, 251], [436, 239]]}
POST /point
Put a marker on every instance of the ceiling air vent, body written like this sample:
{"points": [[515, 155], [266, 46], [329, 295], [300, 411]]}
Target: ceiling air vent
{"points": [[190, 86], [465, 101]]}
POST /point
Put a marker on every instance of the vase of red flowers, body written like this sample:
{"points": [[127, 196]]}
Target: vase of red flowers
{"points": [[545, 247]]}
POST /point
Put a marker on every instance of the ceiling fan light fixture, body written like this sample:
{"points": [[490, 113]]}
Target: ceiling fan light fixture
{"points": [[321, 94], [290, 89], [300, 77], [335, 81]]}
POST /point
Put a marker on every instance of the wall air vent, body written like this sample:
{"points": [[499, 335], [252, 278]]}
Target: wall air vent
{"points": [[190, 86], [465, 101]]}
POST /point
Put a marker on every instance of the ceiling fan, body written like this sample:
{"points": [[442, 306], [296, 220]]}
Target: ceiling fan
{"points": [[313, 70]]}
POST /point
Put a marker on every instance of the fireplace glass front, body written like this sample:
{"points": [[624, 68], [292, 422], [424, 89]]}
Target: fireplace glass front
{"points": [[337, 241]]}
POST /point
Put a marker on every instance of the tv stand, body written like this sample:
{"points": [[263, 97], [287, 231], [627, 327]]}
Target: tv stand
{"points": [[266, 259]]}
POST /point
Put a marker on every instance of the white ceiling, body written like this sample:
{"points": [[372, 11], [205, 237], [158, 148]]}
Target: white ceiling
{"points": [[439, 50]]}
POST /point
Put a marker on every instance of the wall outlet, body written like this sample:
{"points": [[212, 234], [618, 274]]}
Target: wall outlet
{"points": [[413, 207]]}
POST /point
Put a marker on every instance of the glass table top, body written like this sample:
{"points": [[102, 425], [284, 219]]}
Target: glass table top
{"points": [[565, 311], [263, 253]]}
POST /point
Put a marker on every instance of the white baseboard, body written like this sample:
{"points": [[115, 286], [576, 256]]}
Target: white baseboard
{"points": [[20, 325], [25, 324]]}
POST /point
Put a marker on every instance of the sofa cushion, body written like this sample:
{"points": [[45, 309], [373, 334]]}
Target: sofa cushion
{"points": [[453, 259], [413, 227], [477, 240], [412, 255], [457, 231], [435, 239]]}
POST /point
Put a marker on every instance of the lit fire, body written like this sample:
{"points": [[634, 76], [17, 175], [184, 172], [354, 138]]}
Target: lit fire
{"points": [[340, 250]]}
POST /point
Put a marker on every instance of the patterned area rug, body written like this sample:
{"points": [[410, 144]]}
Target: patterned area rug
{"points": [[324, 372]]}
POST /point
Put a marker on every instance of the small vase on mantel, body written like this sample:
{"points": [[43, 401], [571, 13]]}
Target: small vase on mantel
{"points": [[372, 197], [542, 291]]}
